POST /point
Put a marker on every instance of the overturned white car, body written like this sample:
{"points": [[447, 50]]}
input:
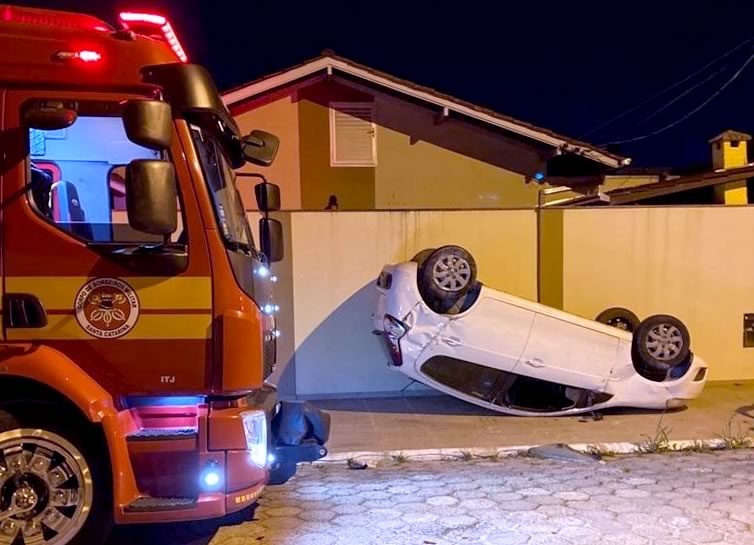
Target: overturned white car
{"points": [[443, 328]]}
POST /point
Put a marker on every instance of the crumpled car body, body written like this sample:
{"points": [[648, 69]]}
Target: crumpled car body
{"points": [[515, 356]]}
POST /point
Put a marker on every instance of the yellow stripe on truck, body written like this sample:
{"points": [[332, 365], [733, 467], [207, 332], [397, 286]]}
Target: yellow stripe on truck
{"points": [[158, 292], [149, 326]]}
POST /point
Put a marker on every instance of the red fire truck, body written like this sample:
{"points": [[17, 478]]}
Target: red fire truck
{"points": [[138, 319]]}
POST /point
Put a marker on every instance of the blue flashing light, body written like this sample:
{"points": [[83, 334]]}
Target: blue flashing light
{"points": [[211, 478], [268, 308], [539, 176], [262, 271]]}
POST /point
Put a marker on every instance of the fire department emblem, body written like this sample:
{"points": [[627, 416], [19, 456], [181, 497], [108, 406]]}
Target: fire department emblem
{"points": [[107, 308]]}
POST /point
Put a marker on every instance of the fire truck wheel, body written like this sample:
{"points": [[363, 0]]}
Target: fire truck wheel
{"points": [[57, 486]]}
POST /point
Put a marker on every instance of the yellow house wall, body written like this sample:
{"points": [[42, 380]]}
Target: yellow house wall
{"points": [[279, 117], [451, 164], [728, 156], [691, 262], [353, 186], [336, 259]]}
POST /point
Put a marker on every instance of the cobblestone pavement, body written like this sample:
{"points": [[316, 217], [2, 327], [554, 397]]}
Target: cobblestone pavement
{"points": [[666, 499]]}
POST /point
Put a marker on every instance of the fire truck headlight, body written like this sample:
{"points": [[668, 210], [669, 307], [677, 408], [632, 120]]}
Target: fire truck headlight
{"points": [[255, 428]]}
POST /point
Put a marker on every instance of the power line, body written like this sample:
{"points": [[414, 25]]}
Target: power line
{"points": [[679, 97], [666, 89], [692, 112]]}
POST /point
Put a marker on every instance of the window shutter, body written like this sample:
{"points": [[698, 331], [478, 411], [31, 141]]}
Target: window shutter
{"points": [[353, 135]]}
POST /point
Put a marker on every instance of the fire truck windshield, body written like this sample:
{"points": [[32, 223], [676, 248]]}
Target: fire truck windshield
{"points": [[221, 181]]}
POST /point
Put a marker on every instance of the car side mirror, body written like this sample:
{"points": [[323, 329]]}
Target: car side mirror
{"points": [[49, 115], [268, 196], [271, 239], [151, 196], [260, 147], [149, 123]]}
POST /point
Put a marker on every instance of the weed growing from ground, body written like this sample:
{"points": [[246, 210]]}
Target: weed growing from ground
{"points": [[735, 438], [399, 458], [658, 443]]}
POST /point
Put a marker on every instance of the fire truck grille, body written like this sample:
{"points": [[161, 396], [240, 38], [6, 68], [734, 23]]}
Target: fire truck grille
{"points": [[270, 354]]}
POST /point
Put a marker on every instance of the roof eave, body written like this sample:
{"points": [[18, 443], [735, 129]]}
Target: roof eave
{"points": [[329, 64]]}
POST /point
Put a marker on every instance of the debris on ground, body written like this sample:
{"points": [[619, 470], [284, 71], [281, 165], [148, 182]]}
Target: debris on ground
{"points": [[355, 464], [560, 451]]}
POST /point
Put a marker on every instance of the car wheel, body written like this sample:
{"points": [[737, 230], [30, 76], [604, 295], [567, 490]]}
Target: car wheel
{"points": [[447, 274], [56, 489], [661, 342], [621, 318], [422, 256]]}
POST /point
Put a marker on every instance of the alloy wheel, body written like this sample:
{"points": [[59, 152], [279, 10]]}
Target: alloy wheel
{"points": [[664, 342], [451, 273], [46, 489]]}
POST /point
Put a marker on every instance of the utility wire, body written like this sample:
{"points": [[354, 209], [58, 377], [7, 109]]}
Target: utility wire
{"points": [[692, 112], [679, 97], [666, 89]]}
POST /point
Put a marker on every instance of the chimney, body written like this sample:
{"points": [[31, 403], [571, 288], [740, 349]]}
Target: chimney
{"points": [[729, 150]]}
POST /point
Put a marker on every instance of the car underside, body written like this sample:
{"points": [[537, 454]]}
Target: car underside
{"points": [[445, 329]]}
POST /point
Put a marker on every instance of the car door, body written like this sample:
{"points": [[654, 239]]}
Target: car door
{"points": [[475, 349], [133, 314], [568, 352]]}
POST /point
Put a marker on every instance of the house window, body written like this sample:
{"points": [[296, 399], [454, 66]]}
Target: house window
{"points": [[353, 134]]}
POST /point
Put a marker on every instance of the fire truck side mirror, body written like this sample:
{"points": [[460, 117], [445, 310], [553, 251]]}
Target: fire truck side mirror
{"points": [[271, 239], [151, 196], [149, 123], [260, 147], [268, 196]]}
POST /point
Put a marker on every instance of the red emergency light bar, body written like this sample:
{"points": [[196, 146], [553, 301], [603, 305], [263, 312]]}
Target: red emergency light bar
{"points": [[30, 16], [129, 19], [86, 56]]}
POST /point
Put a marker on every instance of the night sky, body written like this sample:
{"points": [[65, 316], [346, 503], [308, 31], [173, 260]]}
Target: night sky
{"points": [[568, 66]]}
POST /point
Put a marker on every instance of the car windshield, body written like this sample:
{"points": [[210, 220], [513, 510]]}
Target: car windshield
{"points": [[221, 180]]}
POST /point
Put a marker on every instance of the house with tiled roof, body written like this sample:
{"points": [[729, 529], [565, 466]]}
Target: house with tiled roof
{"points": [[372, 141]]}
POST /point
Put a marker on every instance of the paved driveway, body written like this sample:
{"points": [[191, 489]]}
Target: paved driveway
{"points": [[670, 499], [407, 423]]}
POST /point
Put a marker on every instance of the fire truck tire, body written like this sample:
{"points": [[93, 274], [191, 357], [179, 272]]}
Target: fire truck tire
{"points": [[63, 484]]}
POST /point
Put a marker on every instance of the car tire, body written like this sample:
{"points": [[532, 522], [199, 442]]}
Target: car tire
{"points": [[660, 343], [422, 256], [65, 440], [447, 274], [618, 317]]}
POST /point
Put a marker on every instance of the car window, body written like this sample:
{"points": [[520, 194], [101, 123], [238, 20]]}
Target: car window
{"points": [[77, 178], [468, 378]]}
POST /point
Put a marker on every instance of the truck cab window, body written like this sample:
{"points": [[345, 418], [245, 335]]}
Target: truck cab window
{"points": [[77, 178]]}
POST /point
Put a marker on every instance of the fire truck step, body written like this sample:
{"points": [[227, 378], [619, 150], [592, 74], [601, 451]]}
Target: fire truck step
{"points": [[163, 434], [151, 505]]}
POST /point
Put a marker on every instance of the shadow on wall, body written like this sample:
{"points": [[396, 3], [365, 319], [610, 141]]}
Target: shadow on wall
{"points": [[325, 360]]}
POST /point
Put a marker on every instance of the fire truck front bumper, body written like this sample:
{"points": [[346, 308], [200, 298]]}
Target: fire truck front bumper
{"points": [[191, 462]]}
